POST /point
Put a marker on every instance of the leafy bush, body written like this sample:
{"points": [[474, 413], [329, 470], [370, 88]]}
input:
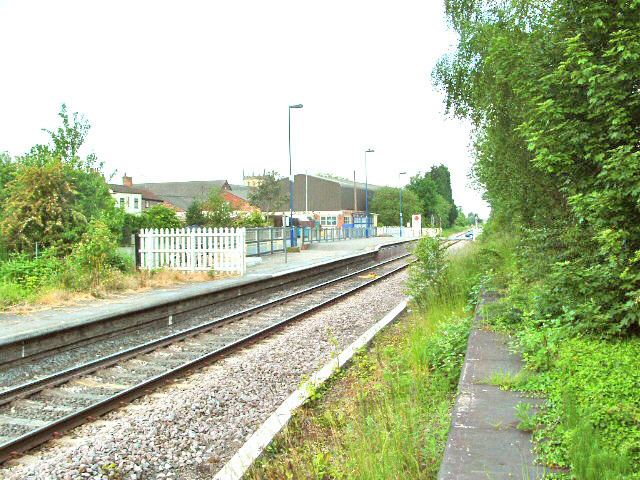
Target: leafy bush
{"points": [[250, 219], [31, 273], [591, 391], [427, 273], [159, 216], [551, 88], [195, 215], [444, 351], [92, 258]]}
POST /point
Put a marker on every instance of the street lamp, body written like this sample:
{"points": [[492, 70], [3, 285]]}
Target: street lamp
{"points": [[292, 242], [366, 192], [401, 222]]}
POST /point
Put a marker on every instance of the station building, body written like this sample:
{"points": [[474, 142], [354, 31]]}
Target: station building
{"points": [[331, 202]]}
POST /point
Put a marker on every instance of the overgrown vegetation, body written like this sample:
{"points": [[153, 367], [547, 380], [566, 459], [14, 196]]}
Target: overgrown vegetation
{"points": [[59, 225], [386, 203], [388, 415], [589, 422], [428, 194], [552, 88]]}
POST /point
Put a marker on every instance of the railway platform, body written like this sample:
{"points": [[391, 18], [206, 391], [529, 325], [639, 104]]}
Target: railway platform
{"points": [[18, 330]]}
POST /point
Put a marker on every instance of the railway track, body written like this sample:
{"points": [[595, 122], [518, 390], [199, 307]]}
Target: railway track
{"points": [[36, 411]]}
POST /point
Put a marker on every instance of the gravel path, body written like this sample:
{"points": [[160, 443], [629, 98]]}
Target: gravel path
{"points": [[189, 429]]}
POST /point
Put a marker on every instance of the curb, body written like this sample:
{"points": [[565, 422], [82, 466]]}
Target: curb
{"points": [[237, 466]]}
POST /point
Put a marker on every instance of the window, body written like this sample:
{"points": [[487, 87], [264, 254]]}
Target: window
{"points": [[328, 221], [121, 202], [347, 220], [135, 203]]}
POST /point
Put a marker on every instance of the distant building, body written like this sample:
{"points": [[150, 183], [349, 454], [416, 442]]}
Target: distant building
{"points": [[183, 194], [132, 199], [331, 202]]}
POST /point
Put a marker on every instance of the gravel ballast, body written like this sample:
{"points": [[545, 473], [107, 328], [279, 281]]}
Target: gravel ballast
{"points": [[188, 429]]}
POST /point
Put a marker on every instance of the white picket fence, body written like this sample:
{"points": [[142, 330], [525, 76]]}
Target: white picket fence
{"points": [[408, 232], [193, 249]]}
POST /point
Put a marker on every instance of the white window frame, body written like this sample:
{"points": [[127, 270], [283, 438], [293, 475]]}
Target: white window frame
{"points": [[329, 221]]}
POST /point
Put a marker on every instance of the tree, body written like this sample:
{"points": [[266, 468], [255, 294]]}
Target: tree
{"points": [[435, 208], [7, 170], [386, 203], [271, 195], [472, 218], [552, 90], [461, 218], [218, 212], [195, 215], [89, 198], [86, 174], [40, 207], [159, 216]]}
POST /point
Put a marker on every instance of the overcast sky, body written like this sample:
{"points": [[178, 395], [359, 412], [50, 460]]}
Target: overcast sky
{"points": [[199, 90]]}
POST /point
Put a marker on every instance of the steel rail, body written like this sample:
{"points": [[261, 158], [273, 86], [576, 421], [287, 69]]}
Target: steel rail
{"points": [[63, 376], [55, 428]]}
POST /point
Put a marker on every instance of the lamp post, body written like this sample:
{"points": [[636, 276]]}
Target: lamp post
{"points": [[292, 241], [401, 222], [366, 193]]}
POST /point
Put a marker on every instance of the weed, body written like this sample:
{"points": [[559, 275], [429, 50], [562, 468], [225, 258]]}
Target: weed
{"points": [[507, 380], [111, 471], [526, 416], [392, 414]]}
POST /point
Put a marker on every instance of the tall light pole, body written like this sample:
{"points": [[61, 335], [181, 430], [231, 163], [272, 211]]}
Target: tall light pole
{"points": [[292, 242], [366, 192], [401, 222]]}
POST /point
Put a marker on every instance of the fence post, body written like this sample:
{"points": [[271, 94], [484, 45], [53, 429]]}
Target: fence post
{"points": [[192, 250], [271, 239]]}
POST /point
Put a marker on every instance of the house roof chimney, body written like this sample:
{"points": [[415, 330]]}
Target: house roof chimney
{"points": [[127, 181]]}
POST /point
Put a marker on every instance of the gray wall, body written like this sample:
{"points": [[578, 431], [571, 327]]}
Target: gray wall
{"points": [[327, 194], [323, 194]]}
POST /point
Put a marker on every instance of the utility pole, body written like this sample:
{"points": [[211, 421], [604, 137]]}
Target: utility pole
{"points": [[366, 192], [355, 195], [291, 180]]}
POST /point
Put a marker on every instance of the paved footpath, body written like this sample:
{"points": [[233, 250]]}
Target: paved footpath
{"points": [[484, 441], [15, 327]]}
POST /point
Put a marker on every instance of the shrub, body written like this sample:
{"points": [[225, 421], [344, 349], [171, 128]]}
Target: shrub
{"points": [[427, 273], [92, 257], [250, 219], [159, 216], [31, 273]]}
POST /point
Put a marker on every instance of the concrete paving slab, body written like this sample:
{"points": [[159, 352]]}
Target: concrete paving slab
{"points": [[16, 327], [484, 441]]}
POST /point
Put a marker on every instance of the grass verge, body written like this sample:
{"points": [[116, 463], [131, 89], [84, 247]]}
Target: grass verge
{"points": [[589, 425], [16, 298], [388, 414]]}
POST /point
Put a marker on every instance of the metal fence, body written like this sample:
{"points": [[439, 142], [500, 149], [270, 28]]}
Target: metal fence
{"points": [[268, 240]]}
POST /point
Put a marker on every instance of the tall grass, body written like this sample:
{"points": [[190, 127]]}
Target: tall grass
{"points": [[392, 423]]}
